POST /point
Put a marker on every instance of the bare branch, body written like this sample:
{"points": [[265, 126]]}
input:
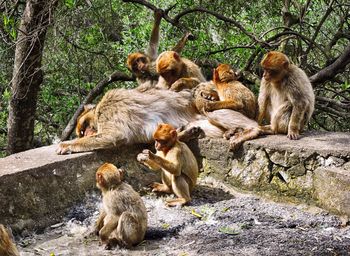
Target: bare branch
{"points": [[116, 76], [333, 69]]}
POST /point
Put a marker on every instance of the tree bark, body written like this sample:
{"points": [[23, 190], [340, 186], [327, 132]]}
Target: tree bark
{"points": [[27, 73]]}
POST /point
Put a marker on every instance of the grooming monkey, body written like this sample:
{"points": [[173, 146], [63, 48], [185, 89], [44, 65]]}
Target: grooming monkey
{"points": [[177, 73], [123, 217], [232, 93], [7, 247], [176, 162], [286, 98], [142, 65]]}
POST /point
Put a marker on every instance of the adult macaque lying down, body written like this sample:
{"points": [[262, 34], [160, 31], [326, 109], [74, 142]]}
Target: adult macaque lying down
{"points": [[125, 117]]}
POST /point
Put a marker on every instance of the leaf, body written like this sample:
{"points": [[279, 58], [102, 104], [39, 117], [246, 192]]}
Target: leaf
{"points": [[193, 212], [165, 225], [228, 231]]}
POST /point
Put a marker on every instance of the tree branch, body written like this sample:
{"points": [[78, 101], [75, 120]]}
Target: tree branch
{"points": [[116, 76], [333, 69]]}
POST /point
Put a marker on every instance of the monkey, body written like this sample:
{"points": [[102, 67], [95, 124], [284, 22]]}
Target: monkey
{"points": [[85, 122], [177, 73], [232, 93], [7, 247], [142, 65], [286, 99], [123, 218], [125, 117], [177, 163]]}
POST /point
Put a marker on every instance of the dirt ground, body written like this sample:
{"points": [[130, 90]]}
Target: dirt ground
{"points": [[215, 223]]}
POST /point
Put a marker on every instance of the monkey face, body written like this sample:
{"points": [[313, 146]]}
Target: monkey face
{"points": [[170, 76], [141, 64], [273, 75], [165, 136]]}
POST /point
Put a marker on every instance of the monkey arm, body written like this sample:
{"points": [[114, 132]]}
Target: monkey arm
{"points": [[184, 83], [108, 227], [262, 103], [152, 165], [99, 222], [171, 164], [152, 50], [181, 44], [98, 141], [225, 104], [296, 118]]}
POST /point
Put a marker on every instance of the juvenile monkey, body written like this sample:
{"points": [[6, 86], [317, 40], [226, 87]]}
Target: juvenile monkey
{"points": [[7, 247], [286, 98], [177, 73], [123, 217], [232, 93], [176, 162], [142, 65]]}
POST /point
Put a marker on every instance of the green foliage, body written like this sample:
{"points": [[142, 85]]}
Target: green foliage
{"points": [[91, 39]]}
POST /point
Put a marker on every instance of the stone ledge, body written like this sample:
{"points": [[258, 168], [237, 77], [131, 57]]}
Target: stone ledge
{"points": [[37, 187]]}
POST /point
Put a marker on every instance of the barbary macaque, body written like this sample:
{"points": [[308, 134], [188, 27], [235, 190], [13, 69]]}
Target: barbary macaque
{"points": [[177, 73], [232, 93], [143, 65], [85, 122], [123, 217], [176, 162], [125, 117], [286, 98], [7, 246]]}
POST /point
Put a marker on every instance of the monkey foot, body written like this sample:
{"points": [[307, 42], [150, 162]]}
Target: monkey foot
{"points": [[175, 202], [235, 143], [191, 133], [293, 136], [159, 187], [232, 132]]}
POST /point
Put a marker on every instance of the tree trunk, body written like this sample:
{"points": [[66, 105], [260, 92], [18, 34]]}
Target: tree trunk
{"points": [[27, 74]]}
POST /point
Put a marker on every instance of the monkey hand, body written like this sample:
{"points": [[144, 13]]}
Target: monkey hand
{"points": [[179, 85], [209, 95], [145, 156], [293, 134], [208, 106], [63, 148]]}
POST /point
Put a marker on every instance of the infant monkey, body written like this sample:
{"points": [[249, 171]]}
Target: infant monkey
{"points": [[123, 217], [176, 162]]}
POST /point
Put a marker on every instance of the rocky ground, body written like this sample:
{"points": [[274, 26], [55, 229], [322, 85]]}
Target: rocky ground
{"points": [[215, 223]]}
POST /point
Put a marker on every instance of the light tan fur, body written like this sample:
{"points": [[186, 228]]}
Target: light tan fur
{"points": [[176, 162], [123, 217], [177, 73], [232, 93], [7, 247], [286, 98], [130, 116]]}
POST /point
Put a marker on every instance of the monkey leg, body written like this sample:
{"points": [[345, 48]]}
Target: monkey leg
{"points": [[191, 133], [129, 231], [280, 120], [181, 189], [110, 224], [247, 134], [232, 132]]}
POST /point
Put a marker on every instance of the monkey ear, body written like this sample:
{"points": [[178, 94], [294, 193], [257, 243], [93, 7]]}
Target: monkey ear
{"points": [[216, 76], [173, 133], [176, 56]]}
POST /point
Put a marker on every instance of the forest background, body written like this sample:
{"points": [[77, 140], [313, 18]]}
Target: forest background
{"points": [[56, 55]]}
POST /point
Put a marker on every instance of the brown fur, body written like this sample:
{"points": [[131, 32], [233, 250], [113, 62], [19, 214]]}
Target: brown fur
{"points": [[232, 93], [143, 65], [123, 217], [177, 73], [286, 98], [176, 162], [7, 247]]}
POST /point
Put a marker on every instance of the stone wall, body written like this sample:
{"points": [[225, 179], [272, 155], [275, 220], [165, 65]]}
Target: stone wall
{"points": [[37, 187]]}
